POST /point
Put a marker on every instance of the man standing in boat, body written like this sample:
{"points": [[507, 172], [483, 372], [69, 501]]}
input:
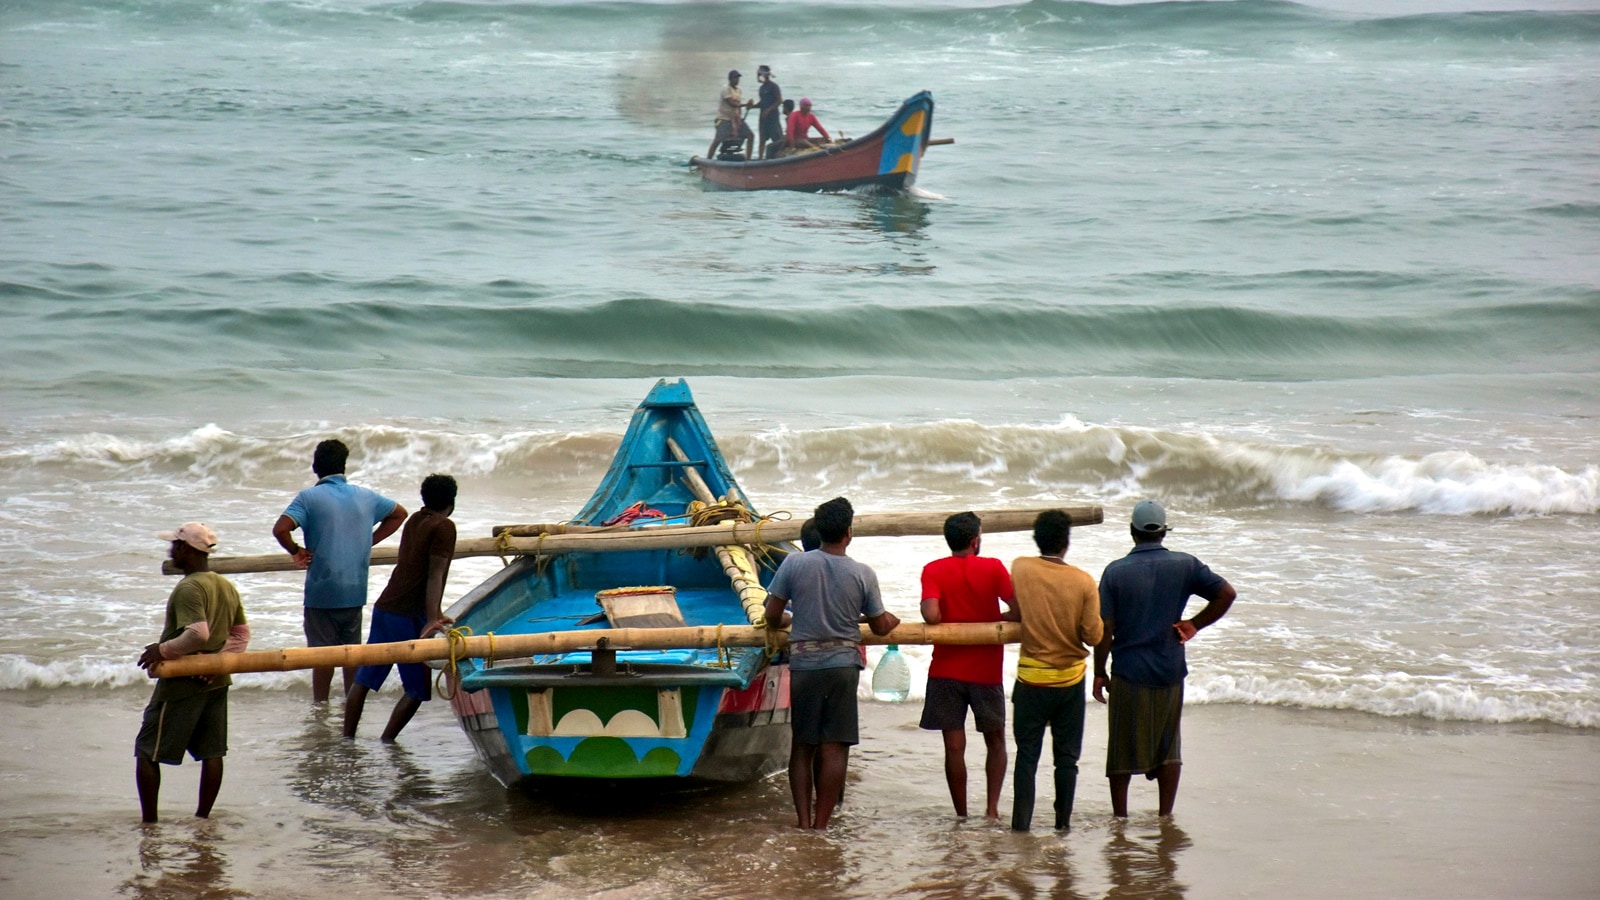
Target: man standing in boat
{"points": [[730, 122], [830, 594], [338, 519], [410, 607], [1142, 599], [204, 615], [771, 118], [967, 587]]}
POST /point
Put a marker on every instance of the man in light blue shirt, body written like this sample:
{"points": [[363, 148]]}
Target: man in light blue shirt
{"points": [[337, 518]]}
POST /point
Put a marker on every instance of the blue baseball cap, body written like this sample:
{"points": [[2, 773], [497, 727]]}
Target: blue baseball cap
{"points": [[1148, 516]]}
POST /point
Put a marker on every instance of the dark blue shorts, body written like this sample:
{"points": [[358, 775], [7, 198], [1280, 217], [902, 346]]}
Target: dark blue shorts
{"points": [[822, 705], [389, 628], [945, 706], [330, 627]]}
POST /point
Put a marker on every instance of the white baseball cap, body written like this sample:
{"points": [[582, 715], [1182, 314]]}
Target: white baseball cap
{"points": [[196, 534]]}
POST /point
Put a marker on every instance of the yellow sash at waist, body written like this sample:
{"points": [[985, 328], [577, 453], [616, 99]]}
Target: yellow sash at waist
{"points": [[1032, 671]]}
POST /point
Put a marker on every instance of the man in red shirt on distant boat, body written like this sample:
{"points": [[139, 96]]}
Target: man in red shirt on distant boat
{"points": [[801, 121], [966, 587]]}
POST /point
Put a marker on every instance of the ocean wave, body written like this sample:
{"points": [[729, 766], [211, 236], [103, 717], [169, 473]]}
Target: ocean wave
{"points": [[1194, 468], [1398, 694], [508, 329], [1110, 463], [1239, 26], [20, 674], [211, 454]]}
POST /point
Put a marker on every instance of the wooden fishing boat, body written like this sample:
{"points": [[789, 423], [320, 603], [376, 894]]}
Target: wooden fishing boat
{"points": [[610, 713], [887, 158]]}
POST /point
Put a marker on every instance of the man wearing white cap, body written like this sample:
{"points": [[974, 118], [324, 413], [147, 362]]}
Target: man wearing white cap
{"points": [[204, 615], [1142, 600]]}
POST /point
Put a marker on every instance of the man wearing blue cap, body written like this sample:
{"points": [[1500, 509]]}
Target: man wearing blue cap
{"points": [[1142, 600]]}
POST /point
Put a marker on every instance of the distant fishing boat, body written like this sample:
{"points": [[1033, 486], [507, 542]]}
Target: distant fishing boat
{"points": [[887, 158], [611, 713]]}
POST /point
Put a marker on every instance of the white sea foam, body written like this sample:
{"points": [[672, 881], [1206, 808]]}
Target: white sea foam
{"points": [[1449, 483], [21, 673], [1400, 694]]}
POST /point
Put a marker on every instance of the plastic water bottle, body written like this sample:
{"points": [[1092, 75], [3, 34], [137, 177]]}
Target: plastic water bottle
{"points": [[891, 679]]}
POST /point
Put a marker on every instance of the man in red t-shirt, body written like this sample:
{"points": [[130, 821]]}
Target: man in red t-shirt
{"points": [[801, 121], [966, 587]]}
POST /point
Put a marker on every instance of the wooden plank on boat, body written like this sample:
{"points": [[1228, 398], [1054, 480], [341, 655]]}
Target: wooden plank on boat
{"points": [[673, 537], [515, 646]]}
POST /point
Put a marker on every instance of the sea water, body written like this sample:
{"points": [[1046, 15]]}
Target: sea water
{"points": [[1320, 278]]}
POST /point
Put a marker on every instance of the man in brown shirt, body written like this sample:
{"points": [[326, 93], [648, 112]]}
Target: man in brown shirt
{"points": [[409, 607], [1060, 623]]}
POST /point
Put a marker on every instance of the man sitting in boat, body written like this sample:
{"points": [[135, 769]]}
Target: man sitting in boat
{"points": [[730, 125], [801, 121]]}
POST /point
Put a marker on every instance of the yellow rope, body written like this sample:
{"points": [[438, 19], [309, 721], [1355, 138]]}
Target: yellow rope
{"points": [[457, 638], [772, 648], [502, 542], [540, 561]]}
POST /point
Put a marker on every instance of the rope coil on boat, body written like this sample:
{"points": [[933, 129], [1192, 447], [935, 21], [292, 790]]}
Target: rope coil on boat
{"points": [[509, 551], [457, 638], [737, 560], [502, 542]]}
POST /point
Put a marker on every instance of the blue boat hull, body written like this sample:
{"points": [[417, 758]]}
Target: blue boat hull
{"points": [[679, 716]]}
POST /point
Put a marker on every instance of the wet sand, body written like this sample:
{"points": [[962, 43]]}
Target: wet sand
{"points": [[1274, 803]]}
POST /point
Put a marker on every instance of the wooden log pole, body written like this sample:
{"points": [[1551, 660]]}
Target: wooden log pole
{"points": [[675, 537], [511, 646], [907, 524]]}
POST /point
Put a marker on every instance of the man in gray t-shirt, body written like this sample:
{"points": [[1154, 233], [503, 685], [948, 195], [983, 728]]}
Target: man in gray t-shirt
{"points": [[830, 595]]}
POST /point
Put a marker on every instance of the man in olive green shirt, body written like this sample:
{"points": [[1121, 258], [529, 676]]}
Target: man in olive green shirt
{"points": [[204, 615]]}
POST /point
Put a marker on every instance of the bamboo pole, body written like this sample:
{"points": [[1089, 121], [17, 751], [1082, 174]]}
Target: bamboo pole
{"points": [[905, 524], [674, 537], [511, 646], [736, 561]]}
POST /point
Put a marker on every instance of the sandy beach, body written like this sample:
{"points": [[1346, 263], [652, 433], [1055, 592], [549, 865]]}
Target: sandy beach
{"points": [[1275, 803]]}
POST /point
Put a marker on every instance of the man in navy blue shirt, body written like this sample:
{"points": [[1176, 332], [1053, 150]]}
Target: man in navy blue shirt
{"points": [[771, 119], [1142, 600]]}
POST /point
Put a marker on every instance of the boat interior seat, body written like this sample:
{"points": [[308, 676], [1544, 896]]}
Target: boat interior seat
{"points": [[641, 607]]}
